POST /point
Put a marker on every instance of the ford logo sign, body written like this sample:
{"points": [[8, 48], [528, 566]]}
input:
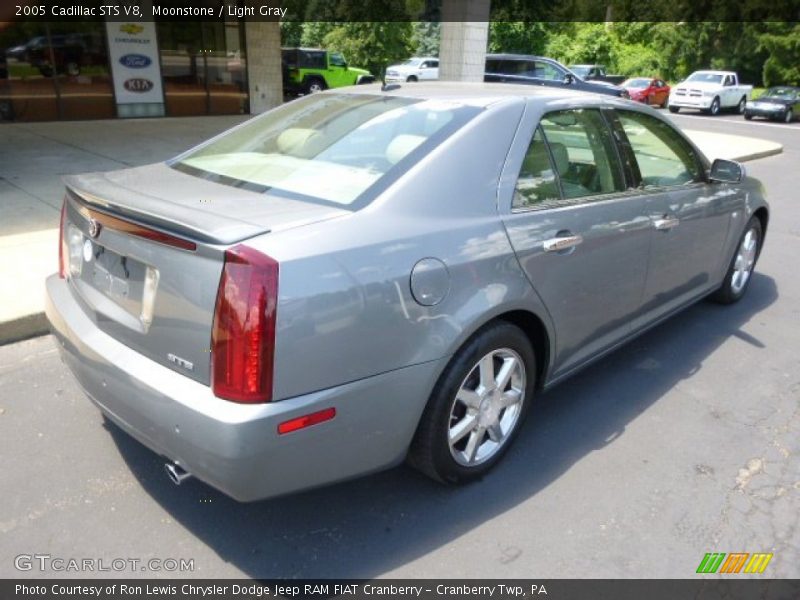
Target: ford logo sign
{"points": [[138, 85], [135, 61]]}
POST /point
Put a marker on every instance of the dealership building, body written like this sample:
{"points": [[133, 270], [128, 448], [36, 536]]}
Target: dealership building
{"points": [[166, 67]]}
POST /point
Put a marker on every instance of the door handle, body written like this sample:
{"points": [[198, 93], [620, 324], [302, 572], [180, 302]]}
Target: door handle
{"points": [[666, 223], [558, 244]]}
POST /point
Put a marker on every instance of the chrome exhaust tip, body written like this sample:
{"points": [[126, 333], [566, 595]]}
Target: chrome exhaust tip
{"points": [[176, 473]]}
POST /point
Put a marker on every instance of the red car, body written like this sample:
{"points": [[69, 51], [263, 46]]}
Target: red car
{"points": [[650, 91]]}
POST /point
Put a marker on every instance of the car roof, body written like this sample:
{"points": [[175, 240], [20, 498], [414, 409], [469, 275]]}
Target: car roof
{"points": [[519, 57], [715, 72], [474, 94]]}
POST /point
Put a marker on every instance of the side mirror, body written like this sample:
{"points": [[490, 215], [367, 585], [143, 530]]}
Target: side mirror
{"points": [[569, 79], [726, 171]]}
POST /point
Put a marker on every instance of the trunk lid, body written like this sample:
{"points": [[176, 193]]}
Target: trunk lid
{"points": [[187, 205], [146, 246]]}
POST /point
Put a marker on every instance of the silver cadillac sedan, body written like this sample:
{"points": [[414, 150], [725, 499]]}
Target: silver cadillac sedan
{"points": [[364, 277]]}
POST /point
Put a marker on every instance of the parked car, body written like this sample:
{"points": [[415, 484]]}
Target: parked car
{"points": [[311, 70], [361, 277], [781, 103], [18, 52], [710, 92], [650, 91], [596, 73], [538, 70], [70, 51], [414, 69]]}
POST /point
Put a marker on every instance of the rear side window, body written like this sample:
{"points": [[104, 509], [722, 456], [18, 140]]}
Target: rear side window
{"points": [[583, 153], [537, 182], [311, 59], [664, 158], [494, 66]]}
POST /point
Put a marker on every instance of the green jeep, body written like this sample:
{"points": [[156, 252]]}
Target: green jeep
{"points": [[309, 70]]}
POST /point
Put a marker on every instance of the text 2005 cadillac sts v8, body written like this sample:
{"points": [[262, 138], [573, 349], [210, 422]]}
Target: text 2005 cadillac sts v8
{"points": [[359, 278]]}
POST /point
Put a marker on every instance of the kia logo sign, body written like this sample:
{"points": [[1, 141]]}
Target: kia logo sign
{"points": [[135, 61], [138, 85]]}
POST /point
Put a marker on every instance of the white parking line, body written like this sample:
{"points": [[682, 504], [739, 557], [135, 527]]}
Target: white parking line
{"points": [[742, 122]]}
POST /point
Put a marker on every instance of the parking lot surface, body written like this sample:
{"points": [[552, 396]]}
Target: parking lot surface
{"points": [[684, 442]]}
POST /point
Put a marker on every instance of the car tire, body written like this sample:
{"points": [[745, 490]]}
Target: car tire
{"points": [[789, 116], [715, 107], [740, 108], [647, 100], [740, 269], [748, 116], [314, 85], [665, 103], [411, 78], [674, 109], [468, 424], [72, 68]]}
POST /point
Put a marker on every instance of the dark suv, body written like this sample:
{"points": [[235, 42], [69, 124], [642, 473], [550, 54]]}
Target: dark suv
{"points": [[537, 70]]}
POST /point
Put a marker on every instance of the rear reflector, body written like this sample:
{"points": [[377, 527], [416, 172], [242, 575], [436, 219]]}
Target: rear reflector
{"points": [[63, 254], [306, 421], [243, 336]]}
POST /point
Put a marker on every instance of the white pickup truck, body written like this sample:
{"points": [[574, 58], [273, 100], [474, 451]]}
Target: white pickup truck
{"points": [[711, 92]]}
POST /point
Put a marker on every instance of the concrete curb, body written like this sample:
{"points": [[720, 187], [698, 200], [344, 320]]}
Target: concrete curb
{"points": [[29, 326], [762, 154], [732, 147]]}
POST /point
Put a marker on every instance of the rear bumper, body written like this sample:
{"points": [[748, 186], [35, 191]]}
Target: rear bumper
{"points": [[236, 447]]}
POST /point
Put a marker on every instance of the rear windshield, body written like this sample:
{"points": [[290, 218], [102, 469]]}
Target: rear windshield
{"points": [[637, 83], [579, 71], [705, 78], [334, 148]]}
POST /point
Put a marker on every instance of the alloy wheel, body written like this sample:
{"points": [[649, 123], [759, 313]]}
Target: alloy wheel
{"points": [[745, 259], [486, 408]]}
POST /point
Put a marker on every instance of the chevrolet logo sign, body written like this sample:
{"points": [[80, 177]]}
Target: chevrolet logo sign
{"points": [[131, 28]]}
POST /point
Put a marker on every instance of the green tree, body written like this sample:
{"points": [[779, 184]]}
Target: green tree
{"points": [[372, 45], [426, 38], [518, 37], [291, 33], [314, 33], [782, 66]]}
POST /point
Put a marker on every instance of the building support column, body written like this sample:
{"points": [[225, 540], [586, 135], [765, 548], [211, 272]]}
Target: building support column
{"points": [[465, 33], [264, 75]]}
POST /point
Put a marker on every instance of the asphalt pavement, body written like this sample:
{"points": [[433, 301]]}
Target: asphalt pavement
{"points": [[685, 441]]}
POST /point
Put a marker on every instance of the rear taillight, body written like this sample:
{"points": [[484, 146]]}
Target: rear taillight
{"points": [[243, 336], [63, 255]]}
